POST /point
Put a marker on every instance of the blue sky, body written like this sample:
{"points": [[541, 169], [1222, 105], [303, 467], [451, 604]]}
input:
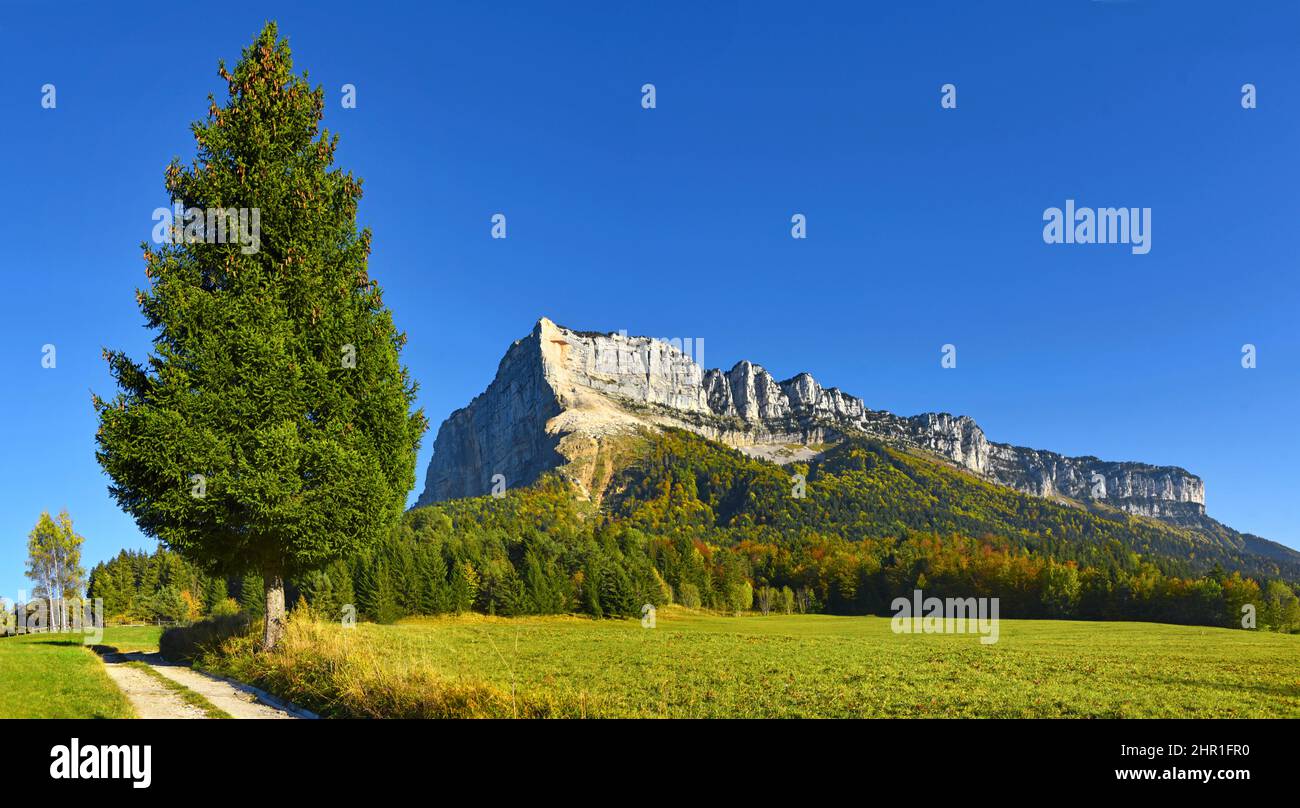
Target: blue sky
{"points": [[924, 224]]}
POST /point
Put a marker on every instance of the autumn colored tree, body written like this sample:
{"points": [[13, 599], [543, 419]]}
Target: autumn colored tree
{"points": [[270, 432]]}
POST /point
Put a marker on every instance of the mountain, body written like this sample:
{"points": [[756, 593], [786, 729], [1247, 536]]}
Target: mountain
{"points": [[574, 402]]}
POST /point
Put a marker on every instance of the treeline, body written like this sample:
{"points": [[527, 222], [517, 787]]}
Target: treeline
{"points": [[531, 552], [701, 525], [698, 524], [163, 587], [422, 568]]}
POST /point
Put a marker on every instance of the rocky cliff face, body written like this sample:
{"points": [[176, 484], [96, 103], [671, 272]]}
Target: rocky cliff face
{"points": [[502, 431], [562, 397]]}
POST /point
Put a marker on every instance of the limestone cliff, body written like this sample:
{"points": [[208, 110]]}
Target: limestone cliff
{"points": [[564, 398]]}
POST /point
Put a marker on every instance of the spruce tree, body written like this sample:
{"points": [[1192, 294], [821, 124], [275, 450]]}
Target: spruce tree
{"points": [[215, 593], [341, 582], [318, 590], [251, 591], [434, 594], [270, 431], [376, 597]]}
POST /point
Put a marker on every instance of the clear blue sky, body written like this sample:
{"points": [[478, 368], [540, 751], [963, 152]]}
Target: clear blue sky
{"points": [[925, 225]]}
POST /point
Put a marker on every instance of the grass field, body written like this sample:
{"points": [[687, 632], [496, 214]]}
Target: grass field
{"points": [[698, 665], [132, 638], [55, 676]]}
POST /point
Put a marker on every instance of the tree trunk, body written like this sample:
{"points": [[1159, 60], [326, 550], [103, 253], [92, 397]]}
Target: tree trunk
{"points": [[274, 610], [55, 623]]}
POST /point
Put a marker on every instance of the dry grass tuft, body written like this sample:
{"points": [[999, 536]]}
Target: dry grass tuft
{"points": [[329, 670]]}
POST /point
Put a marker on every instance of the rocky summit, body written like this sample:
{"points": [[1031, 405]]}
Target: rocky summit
{"points": [[567, 400]]}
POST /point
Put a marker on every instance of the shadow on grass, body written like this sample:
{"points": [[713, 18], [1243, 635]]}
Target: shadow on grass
{"points": [[69, 641]]}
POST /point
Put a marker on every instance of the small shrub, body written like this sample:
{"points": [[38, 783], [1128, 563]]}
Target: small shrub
{"points": [[226, 607], [186, 643]]}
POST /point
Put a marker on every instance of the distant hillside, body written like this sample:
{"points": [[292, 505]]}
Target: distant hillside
{"points": [[860, 489]]}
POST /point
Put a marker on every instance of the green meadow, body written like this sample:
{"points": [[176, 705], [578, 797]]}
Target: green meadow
{"points": [[694, 664], [132, 638], [57, 676]]}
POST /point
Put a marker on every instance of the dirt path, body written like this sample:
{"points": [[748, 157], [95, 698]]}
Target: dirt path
{"points": [[152, 699], [149, 697]]}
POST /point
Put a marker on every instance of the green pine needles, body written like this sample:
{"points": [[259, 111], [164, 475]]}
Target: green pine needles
{"points": [[271, 429]]}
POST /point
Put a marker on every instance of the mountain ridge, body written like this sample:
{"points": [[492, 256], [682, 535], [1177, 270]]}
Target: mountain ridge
{"points": [[557, 383], [572, 402]]}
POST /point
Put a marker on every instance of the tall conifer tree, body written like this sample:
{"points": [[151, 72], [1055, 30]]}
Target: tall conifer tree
{"points": [[271, 431]]}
